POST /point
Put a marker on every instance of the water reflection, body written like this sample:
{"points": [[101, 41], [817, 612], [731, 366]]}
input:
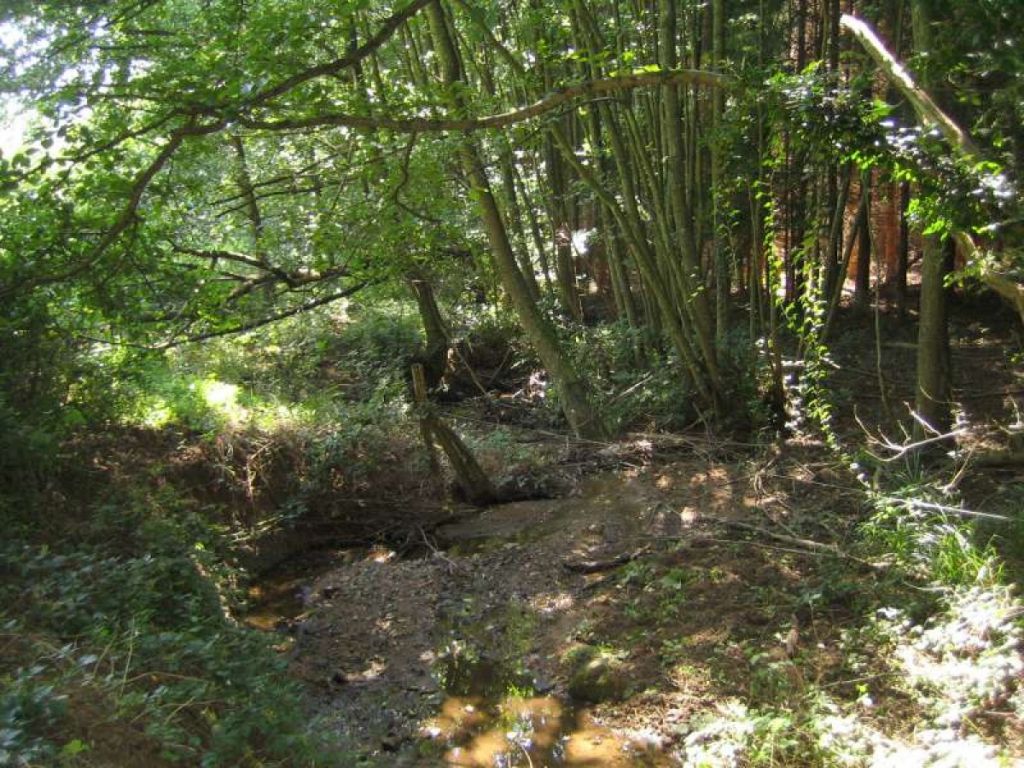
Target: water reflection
{"points": [[481, 725]]}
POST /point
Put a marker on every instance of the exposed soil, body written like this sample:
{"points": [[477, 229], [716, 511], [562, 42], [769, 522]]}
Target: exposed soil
{"points": [[459, 657]]}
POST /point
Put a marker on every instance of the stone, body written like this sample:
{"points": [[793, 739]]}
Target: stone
{"points": [[596, 675]]}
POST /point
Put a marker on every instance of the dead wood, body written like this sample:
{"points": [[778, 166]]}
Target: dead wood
{"points": [[596, 566]]}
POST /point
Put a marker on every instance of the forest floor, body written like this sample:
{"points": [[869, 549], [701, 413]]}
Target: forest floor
{"points": [[587, 630], [795, 597], [683, 601]]}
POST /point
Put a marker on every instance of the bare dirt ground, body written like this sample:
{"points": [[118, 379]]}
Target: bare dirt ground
{"points": [[466, 656]]}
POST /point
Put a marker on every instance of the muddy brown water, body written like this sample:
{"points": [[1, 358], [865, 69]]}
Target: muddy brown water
{"points": [[489, 717], [278, 598]]}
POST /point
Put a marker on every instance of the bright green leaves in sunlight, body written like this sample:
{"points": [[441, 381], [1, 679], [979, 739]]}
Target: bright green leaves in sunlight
{"points": [[141, 199]]}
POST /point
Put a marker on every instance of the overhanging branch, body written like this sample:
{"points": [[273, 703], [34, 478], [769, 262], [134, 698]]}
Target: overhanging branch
{"points": [[927, 110], [929, 113], [345, 62], [128, 212], [550, 102], [254, 324]]}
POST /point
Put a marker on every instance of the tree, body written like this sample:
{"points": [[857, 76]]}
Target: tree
{"points": [[203, 168], [249, 173]]}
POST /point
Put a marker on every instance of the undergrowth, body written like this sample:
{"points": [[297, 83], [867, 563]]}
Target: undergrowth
{"points": [[119, 648], [119, 576], [932, 659]]}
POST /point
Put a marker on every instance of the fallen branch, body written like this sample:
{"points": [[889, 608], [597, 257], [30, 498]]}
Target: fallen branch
{"points": [[807, 546], [831, 549], [899, 450], [596, 566], [935, 507], [453, 567]]}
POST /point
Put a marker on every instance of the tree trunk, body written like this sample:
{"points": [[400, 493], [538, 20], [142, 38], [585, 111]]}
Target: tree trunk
{"points": [[862, 282], [475, 485], [561, 221], [722, 283], [903, 263], [932, 401], [932, 397], [573, 393], [435, 356]]}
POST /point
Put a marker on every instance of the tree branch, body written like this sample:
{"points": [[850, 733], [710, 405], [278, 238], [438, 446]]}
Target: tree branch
{"points": [[272, 274], [253, 325], [345, 62], [214, 255], [548, 103], [927, 110], [929, 113], [128, 213]]}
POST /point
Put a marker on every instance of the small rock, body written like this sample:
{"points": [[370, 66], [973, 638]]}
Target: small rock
{"points": [[595, 675], [543, 685]]}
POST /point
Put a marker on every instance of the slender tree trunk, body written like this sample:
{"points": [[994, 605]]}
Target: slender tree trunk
{"points": [[573, 393], [565, 272], [722, 283], [535, 232], [862, 281], [932, 401], [903, 263], [508, 185], [694, 297]]}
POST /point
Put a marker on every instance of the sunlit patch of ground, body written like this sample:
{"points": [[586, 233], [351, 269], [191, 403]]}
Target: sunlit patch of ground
{"points": [[736, 645]]}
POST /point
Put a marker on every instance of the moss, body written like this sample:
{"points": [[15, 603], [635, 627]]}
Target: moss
{"points": [[596, 674]]}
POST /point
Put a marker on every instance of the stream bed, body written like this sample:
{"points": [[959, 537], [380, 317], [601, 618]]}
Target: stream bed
{"points": [[458, 657]]}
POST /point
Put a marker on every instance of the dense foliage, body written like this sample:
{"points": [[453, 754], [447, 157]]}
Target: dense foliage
{"points": [[239, 223]]}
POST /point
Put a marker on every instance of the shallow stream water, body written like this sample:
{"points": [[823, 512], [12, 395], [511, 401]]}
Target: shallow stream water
{"points": [[490, 717]]}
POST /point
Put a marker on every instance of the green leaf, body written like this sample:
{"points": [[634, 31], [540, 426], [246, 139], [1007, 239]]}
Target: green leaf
{"points": [[74, 747]]}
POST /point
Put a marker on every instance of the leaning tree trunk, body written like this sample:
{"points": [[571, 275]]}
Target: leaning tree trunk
{"points": [[932, 400], [476, 486], [435, 355], [573, 392]]}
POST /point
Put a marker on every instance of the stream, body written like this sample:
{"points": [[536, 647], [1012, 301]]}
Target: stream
{"points": [[456, 658]]}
